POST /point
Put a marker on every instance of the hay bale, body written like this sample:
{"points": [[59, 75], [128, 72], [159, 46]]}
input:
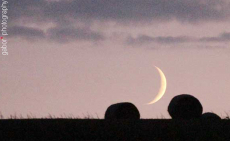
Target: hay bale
{"points": [[185, 106], [123, 110], [210, 116]]}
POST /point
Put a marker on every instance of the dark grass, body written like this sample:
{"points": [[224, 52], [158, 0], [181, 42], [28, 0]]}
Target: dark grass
{"points": [[88, 127], [99, 129]]}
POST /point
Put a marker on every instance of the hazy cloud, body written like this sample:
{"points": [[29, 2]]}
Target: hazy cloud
{"points": [[165, 40], [67, 34], [66, 13], [120, 10], [26, 32], [142, 39], [56, 34], [224, 37]]}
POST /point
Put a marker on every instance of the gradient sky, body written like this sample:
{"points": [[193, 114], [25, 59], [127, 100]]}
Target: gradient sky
{"points": [[80, 56]]}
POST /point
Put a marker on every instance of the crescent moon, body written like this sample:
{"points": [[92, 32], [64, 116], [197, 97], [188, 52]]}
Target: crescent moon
{"points": [[162, 88]]}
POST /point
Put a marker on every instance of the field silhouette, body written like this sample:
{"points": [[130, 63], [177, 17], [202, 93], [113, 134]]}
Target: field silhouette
{"points": [[121, 123], [99, 129]]}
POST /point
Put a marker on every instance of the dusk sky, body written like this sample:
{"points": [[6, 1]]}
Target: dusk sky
{"points": [[80, 56]]}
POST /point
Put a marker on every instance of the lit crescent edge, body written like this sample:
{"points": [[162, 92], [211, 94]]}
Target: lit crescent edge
{"points": [[162, 88]]}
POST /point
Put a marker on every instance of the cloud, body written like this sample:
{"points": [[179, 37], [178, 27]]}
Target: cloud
{"points": [[63, 12], [143, 39], [26, 10], [67, 34], [26, 32], [59, 34], [224, 37]]}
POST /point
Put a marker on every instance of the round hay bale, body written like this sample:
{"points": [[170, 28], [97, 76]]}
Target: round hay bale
{"points": [[185, 106], [210, 116], [123, 110]]}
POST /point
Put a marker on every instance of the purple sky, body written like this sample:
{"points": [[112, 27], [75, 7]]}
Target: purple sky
{"points": [[80, 56]]}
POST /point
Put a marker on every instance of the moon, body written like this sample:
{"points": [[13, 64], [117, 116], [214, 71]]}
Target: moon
{"points": [[162, 88]]}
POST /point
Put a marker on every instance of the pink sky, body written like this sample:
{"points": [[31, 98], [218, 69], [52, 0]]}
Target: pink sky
{"points": [[84, 65]]}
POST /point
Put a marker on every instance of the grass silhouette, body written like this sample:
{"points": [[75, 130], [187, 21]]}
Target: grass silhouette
{"points": [[89, 127], [71, 116], [50, 116]]}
